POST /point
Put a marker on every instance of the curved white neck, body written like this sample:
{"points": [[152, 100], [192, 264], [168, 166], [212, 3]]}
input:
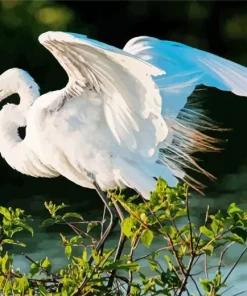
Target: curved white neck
{"points": [[12, 148]]}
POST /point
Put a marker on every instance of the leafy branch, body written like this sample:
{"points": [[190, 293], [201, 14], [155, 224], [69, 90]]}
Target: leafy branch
{"points": [[112, 273]]}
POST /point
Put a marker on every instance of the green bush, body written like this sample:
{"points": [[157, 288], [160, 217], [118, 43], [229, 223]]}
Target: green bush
{"points": [[158, 219]]}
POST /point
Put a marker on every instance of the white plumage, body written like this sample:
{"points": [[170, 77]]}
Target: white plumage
{"points": [[116, 121]]}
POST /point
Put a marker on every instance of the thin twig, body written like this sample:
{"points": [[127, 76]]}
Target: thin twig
{"points": [[205, 222], [87, 279], [199, 272], [131, 254], [122, 278], [78, 231], [186, 275], [179, 263], [75, 222], [193, 254], [222, 255], [198, 290], [197, 258], [240, 293], [226, 290], [118, 288], [206, 266], [189, 221], [175, 226], [38, 265], [234, 265], [158, 251], [151, 211]]}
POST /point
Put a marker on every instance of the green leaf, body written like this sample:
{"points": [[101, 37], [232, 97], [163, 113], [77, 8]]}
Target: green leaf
{"points": [[105, 258], [208, 250], [127, 226], [27, 227], [153, 264], [147, 237], [7, 224], [46, 264], [68, 251], [185, 229], [72, 215], [83, 263], [218, 278], [240, 232], [218, 218], [169, 261], [64, 240], [233, 209], [207, 232], [76, 239], [23, 283], [48, 222], [235, 238], [34, 269], [169, 230], [135, 291], [42, 290], [6, 262], [67, 283], [96, 256], [5, 212], [84, 255], [161, 186], [52, 208], [91, 225], [180, 213], [163, 278], [206, 285], [215, 227], [11, 232], [12, 242], [62, 206], [182, 251], [129, 266], [144, 217]]}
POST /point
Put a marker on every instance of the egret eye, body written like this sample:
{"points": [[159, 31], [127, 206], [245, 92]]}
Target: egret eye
{"points": [[22, 132]]}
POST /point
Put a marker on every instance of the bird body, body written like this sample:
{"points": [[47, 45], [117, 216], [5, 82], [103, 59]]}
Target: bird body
{"points": [[81, 121], [93, 155], [122, 118]]}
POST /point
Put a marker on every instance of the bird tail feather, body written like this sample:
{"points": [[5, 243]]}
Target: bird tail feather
{"points": [[188, 138]]}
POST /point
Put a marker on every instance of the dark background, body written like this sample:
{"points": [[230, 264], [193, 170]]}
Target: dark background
{"points": [[219, 27]]}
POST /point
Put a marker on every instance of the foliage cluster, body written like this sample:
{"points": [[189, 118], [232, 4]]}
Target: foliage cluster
{"points": [[164, 218]]}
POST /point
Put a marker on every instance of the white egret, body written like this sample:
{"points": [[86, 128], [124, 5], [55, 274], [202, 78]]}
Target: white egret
{"points": [[115, 123]]}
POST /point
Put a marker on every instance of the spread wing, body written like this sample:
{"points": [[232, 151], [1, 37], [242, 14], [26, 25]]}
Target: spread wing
{"points": [[185, 68], [131, 100]]}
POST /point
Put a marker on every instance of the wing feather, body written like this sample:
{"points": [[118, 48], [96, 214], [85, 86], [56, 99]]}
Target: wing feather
{"points": [[125, 82], [194, 67], [186, 68]]}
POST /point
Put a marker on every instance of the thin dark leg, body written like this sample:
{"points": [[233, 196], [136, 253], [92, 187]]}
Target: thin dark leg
{"points": [[122, 236], [120, 246], [102, 229], [113, 220]]}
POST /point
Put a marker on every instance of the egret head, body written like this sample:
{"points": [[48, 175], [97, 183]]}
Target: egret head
{"points": [[17, 81]]}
